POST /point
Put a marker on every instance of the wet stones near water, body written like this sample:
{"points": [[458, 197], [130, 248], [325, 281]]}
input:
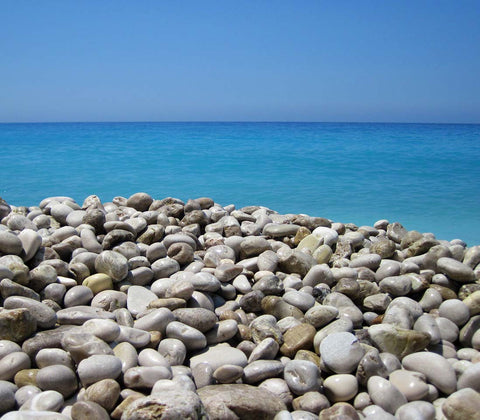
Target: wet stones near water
{"points": [[143, 308]]}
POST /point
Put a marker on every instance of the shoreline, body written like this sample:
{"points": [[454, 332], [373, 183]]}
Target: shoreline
{"points": [[139, 303]]}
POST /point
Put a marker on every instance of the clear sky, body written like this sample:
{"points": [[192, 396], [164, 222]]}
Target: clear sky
{"points": [[224, 60]]}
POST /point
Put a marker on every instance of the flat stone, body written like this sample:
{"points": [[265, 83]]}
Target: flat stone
{"points": [[155, 320], [191, 337], [229, 401], [260, 370], [78, 315], [199, 318]]}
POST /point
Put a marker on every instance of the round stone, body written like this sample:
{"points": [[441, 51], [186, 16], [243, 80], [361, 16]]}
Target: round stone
{"points": [[455, 310], [341, 352], [341, 387], [384, 394], [302, 376], [98, 367], [412, 384], [58, 378]]}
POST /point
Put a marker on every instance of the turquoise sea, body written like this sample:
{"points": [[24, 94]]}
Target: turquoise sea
{"points": [[425, 176]]}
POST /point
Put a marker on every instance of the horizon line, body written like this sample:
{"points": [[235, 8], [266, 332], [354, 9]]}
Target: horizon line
{"points": [[235, 121]]}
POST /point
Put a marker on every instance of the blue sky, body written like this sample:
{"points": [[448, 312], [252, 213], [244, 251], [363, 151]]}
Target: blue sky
{"points": [[114, 60]]}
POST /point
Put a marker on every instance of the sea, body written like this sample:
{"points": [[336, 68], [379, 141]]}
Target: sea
{"points": [[424, 176]]}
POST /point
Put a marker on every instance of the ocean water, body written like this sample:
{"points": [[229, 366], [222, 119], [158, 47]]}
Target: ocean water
{"points": [[425, 176]]}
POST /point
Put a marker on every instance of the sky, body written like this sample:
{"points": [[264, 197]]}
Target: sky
{"points": [[310, 60]]}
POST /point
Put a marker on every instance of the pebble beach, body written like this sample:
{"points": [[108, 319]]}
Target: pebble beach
{"points": [[147, 308]]}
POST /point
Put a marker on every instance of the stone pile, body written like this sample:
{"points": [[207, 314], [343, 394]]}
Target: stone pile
{"points": [[163, 309]]}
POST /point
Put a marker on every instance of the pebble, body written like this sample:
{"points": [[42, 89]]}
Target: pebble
{"points": [[384, 394], [341, 352], [97, 367], [436, 369], [44, 401], [58, 378], [179, 297], [302, 376], [340, 387]]}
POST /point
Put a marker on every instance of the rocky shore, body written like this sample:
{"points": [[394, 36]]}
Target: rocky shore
{"points": [[163, 309]]}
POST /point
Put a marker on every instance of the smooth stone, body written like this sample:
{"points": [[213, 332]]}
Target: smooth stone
{"points": [[98, 283], [53, 356], [199, 318], [58, 378], [470, 378], [265, 326], [191, 337], [138, 338], [22, 395], [461, 405], [370, 365], [77, 296], [384, 394], [155, 320], [302, 376], [44, 401], [202, 374], [219, 355], [25, 377], [138, 299], [105, 393], [340, 387], [145, 376], [267, 260], [222, 331], [260, 370], [468, 330], [455, 270], [312, 402], [228, 374], [426, 323], [319, 274], [341, 352], [173, 404], [151, 357], [127, 355], [340, 325], [436, 369], [45, 316], [11, 288], [78, 315], [448, 330], [17, 324], [431, 299], [279, 388], [321, 315], [222, 402], [412, 384], [98, 367], [31, 242], [83, 410], [12, 363], [396, 285], [19, 271], [267, 349], [35, 415], [377, 303], [294, 261], [105, 329], [422, 410], [339, 411], [7, 396], [112, 263], [397, 341], [301, 300], [173, 350], [455, 310], [10, 243], [472, 301]]}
